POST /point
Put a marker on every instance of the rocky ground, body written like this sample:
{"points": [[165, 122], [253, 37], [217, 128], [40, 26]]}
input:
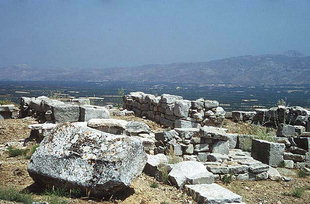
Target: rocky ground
{"points": [[145, 189]]}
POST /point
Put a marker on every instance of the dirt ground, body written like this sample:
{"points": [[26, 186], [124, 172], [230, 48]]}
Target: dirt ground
{"points": [[13, 172]]}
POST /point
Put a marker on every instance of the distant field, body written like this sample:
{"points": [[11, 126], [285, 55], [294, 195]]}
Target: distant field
{"points": [[231, 97]]}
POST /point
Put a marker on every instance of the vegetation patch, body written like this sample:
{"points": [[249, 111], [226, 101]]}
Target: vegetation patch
{"points": [[10, 194], [154, 185], [14, 152], [301, 173], [227, 178]]}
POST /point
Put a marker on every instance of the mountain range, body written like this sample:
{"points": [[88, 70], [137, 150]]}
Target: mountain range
{"points": [[288, 68]]}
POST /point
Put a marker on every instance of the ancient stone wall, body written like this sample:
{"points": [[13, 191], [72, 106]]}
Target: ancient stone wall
{"points": [[174, 111]]}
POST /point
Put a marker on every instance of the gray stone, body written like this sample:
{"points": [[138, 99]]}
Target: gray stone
{"points": [[167, 98], [181, 108], [187, 133], [134, 128], [88, 112], [186, 124], [232, 138], [213, 133], [303, 142], [212, 194], [153, 162], [198, 104], [243, 177], [190, 158], [285, 130], [297, 150], [201, 178], [218, 169], [288, 164], [183, 170], [294, 157], [299, 129], [203, 156], [267, 152], [175, 148], [273, 174], [244, 142], [166, 136], [217, 157], [261, 176], [188, 149], [112, 126], [258, 168], [209, 104], [238, 169], [66, 113], [221, 147], [87, 159], [165, 122], [201, 148]]}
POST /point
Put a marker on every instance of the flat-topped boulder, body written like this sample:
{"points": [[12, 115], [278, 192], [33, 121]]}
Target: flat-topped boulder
{"points": [[88, 112], [76, 157], [212, 194], [185, 171]]}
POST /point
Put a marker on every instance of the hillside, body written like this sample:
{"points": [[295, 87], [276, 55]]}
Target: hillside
{"points": [[254, 70]]}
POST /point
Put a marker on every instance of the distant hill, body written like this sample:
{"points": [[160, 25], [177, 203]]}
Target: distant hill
{"points": [[289, 68]]}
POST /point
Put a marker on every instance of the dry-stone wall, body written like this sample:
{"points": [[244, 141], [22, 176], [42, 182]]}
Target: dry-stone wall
{"points": [[275, 116], [174, 111], [55, 111]]}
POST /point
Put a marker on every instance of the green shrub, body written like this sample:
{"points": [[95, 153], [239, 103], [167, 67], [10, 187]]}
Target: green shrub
{"points": [[53, 199], [54, 191], [301, 173], [14, 152], [5, 102], [227, 178], [31, 151], [164, 175], [154, 185], [10, 194], [297, 192]]}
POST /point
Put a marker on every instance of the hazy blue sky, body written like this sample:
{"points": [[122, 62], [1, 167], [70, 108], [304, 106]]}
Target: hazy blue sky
{"points": [[105, 33]]}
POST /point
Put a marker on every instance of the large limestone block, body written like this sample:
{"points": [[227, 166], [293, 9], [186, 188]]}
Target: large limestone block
{"points": [[66, 113], [212, 194], [182, 171], [267, 152], [181, 108], [77, 157], [88, 112]]}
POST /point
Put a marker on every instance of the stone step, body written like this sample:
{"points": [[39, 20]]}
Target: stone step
{"points": [[212, 194]]}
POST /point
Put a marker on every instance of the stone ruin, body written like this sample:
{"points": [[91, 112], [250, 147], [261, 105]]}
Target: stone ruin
{"points": [[173, 111], [94, 153], [55, 111], [8, 111]]}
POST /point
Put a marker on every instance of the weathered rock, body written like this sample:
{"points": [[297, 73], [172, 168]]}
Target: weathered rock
{"points": [[166, 136], [153, 162], [201, 178], [213, 133], [288, 164], [181, 108], [88, 112], [261, 176], [202, 148], [183, 170], [218, 169], [66, 113], [209, 104], [267, 152], [258, 168], [186, 124], [244, 142], [294, 157], [221, 147], [198, 104], [167, 98], [212, 194], [273, 174], [303, 142], [233, 139], [285, 130], [238, 169], [87, 159], [187, 133], [214, 157], [134, 128], [112, 126]]}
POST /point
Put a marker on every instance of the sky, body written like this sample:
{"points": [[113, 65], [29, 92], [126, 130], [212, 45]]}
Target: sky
{"points": [[109, 33]]}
